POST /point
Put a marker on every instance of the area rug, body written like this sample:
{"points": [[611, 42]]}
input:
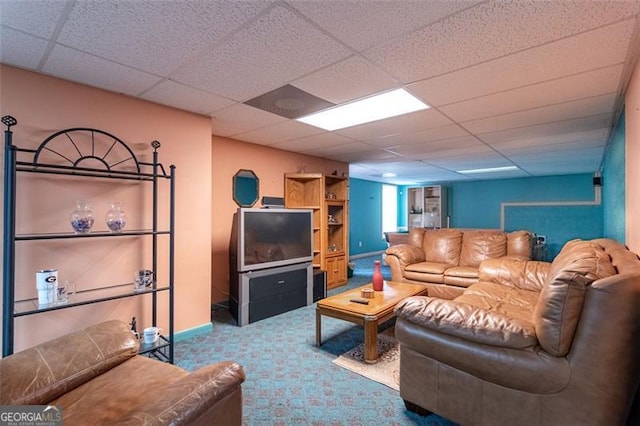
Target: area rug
{"points": [[385, 371]]}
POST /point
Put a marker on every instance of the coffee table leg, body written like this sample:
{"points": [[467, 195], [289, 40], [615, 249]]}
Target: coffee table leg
{"points": [[370, 340], [318, 327]]}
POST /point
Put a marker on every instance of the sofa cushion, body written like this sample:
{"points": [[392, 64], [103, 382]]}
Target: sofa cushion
{"points": [[559, 307], [467, 322], [519, 244], [511, 301], [415, 237], [427, 267], [524, 274], [43, 373], [482, 245], [118, 391], [442, 245], [462, 272]]}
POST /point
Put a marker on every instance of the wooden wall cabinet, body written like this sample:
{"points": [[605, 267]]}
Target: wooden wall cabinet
{"points": [[427, 207], [328, 197]]}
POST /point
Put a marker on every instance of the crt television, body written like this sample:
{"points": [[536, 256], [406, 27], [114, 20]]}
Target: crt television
{"points": [[268, 238]]}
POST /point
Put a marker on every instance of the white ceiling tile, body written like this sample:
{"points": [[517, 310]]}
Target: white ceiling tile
{"points": [[549, 130], [93, 71], [576, 152], [491, 30], [379, 21], [412, 122], [170, 93], [478, 156], [579, 152], [591, 50], [572, 161], [36, 17], [506, 174], [280, 46], [558, 168], [241, 118], [420, 137], [413, 172], [19, 49], [314, 142], [592, 83], [535, 144], [155, 36], [394, 166], [421, 150], [369, 155], [347, 80], [279, 132], [559, 112], [352, 147]]}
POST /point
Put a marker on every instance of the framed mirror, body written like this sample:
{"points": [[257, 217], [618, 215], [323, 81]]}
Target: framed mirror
{"points": [[246, 187]]}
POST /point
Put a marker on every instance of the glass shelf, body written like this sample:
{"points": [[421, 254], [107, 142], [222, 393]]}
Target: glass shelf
{"points": [[150, 347], [65, 235], [83, 297]]}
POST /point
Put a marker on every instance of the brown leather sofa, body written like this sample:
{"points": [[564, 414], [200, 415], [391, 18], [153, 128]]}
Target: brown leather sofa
{"points": [[97, 377], [530, 343], [447, 260]]}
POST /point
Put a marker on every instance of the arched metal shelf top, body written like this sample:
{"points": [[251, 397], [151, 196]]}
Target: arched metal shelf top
{"points": [[81, 154], [69, 151]]}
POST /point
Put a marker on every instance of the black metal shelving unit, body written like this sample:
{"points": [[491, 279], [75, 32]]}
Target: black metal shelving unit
{"points": [[126, 167]]}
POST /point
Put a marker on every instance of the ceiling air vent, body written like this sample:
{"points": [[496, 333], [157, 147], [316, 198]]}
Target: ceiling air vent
{"points": [[289, 101]]}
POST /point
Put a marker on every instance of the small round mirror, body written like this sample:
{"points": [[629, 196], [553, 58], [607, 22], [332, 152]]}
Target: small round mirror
{"points": [[245, 188]]}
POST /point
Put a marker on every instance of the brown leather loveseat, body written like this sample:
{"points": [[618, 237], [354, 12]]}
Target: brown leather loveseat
{"points": [[532, 343], [447, 260], [97, 377]]}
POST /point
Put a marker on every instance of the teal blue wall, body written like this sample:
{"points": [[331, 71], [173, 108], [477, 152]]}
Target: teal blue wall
{"points": [[477, 205], [613, 185], [365, 217]]}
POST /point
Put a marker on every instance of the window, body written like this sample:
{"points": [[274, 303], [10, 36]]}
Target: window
{"points": [[389, 208]]}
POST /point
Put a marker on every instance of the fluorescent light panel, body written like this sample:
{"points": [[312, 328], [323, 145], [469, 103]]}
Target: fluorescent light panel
{"points": [[488, 170], [377, 107]]}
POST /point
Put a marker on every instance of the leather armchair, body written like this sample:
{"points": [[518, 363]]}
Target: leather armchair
{"points": [[97, 377]]}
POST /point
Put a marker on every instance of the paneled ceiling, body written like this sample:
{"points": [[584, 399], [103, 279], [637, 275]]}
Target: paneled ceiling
{"points": [[535, 84]]}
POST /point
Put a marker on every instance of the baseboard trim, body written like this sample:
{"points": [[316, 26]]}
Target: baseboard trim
{"points": [[191, 332], [373, 253]]}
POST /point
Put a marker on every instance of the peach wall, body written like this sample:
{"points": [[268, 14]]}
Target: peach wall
{"points": [[43, 105], [270, 165], [632, 157]]}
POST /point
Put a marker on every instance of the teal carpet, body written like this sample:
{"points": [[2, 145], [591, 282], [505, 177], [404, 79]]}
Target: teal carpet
{"points": [[290, 381]]}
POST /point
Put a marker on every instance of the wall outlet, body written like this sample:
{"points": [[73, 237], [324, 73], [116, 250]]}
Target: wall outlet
{"points": [[541, 239], [359, 243]]}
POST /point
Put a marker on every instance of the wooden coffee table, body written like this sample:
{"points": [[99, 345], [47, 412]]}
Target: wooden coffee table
{"points": [[379, 310]]}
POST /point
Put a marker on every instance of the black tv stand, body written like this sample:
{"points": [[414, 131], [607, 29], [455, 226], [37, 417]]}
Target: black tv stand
{"points": [[263, 293]]}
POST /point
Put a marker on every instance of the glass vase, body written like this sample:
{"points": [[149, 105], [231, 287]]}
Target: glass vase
{"points": [[115, 217], [377, 279], [81, 218]]}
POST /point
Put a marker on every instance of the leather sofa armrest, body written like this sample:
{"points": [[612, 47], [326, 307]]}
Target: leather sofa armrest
{"points": [[401, 255], [184, 401], [524, 274], [406, 254], [467, 322]]}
